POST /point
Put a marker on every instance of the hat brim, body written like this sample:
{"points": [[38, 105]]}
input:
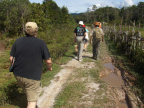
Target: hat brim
{"points": [[81, 24]]}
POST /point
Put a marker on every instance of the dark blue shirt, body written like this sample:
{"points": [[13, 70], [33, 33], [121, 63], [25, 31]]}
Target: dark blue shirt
{"points": [[80, 31], [29, 53]]}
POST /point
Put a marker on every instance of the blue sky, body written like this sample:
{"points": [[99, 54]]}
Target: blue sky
{"points": [[77, 6]]}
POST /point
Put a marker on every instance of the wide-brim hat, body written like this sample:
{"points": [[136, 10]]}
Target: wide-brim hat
{"points": [[81, 23]]}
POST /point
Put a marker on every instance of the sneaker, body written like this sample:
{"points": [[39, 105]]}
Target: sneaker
{"points": [[76, 57], [81, 60]]}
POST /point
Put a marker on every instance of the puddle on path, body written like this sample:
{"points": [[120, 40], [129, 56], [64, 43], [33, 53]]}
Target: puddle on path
{"points": [[115, 81], [109, 66]]}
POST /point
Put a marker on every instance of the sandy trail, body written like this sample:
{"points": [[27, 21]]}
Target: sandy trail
{"points": [[50, 92]]}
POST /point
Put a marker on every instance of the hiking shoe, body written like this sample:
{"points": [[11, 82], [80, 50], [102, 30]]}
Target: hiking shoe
{"points": [[76, 57], [81, 60], [95, 58]]}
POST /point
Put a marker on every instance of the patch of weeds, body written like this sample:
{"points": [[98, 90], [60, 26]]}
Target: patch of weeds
{"points": [[89, 48], [80, 73], [71, 94], [49, 75], [67, 57], [95, 74], [88, 59]]}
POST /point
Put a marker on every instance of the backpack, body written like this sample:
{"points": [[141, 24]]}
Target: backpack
{"points": [[80, 31], [97, 33]]}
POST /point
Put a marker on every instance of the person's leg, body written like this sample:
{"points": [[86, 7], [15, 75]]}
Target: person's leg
{"points": [[98, 49], [81, 50], [80, 43], [94, 51], [33, 90], [86, 43], [31, 105]]}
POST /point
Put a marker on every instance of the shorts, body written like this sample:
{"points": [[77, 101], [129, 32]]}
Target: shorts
{"points": [[31, 87], [85, 40]]}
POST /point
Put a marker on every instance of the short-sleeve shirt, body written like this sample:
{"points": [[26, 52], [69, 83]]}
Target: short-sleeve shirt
{"points": [[80, 31], [29, 53]]}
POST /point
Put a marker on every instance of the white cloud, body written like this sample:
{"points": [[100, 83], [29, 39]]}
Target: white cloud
{"points": [[128, 2]]}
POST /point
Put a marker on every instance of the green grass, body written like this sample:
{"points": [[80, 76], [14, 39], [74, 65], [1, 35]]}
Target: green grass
{"points": [[72, 93]]}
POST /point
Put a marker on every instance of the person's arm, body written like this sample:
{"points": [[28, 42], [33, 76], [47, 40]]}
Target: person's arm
{"points": [[90, 39], [49, 64], [84, 34], [11, 57], [12, 54]]}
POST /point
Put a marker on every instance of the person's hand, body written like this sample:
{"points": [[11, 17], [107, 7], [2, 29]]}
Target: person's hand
{"points": [[50, 69]]}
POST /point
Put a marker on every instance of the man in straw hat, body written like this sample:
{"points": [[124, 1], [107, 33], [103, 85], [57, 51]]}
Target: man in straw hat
{"points": [[29, 52]]}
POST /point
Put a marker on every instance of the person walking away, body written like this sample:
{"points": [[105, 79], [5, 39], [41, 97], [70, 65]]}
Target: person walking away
{"points": [[79, 34], [96, 37], [29, 52], [86, 39]]}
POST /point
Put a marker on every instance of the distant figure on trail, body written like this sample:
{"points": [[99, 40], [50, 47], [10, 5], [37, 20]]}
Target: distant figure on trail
{"points": [[86, 39], [96, 37], [29, 52], [79, 34]]}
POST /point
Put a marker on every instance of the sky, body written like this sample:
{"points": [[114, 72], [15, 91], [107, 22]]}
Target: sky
{"points": [[78, 6]]}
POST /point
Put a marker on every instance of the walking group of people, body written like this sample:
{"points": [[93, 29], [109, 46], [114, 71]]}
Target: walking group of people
{"points": [[82, 38], [28, 53]]}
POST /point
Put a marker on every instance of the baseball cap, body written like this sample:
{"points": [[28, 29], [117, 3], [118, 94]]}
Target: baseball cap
{"points": [[31, 25], [31, 28]]}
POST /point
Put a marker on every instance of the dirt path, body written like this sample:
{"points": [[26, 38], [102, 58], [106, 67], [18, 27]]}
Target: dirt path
{"points": [[112, 76], [50, 92]]}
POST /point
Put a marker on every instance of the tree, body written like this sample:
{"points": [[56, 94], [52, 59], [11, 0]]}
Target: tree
{"points": [[65, 15], [94, 7]]}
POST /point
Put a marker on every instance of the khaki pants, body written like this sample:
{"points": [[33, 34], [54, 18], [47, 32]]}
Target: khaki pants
{"points": [[96, 49], [31, 87], [80, 43]]}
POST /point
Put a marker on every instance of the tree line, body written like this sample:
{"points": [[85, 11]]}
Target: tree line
{"points": [[15, 13], [111, 15]]}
